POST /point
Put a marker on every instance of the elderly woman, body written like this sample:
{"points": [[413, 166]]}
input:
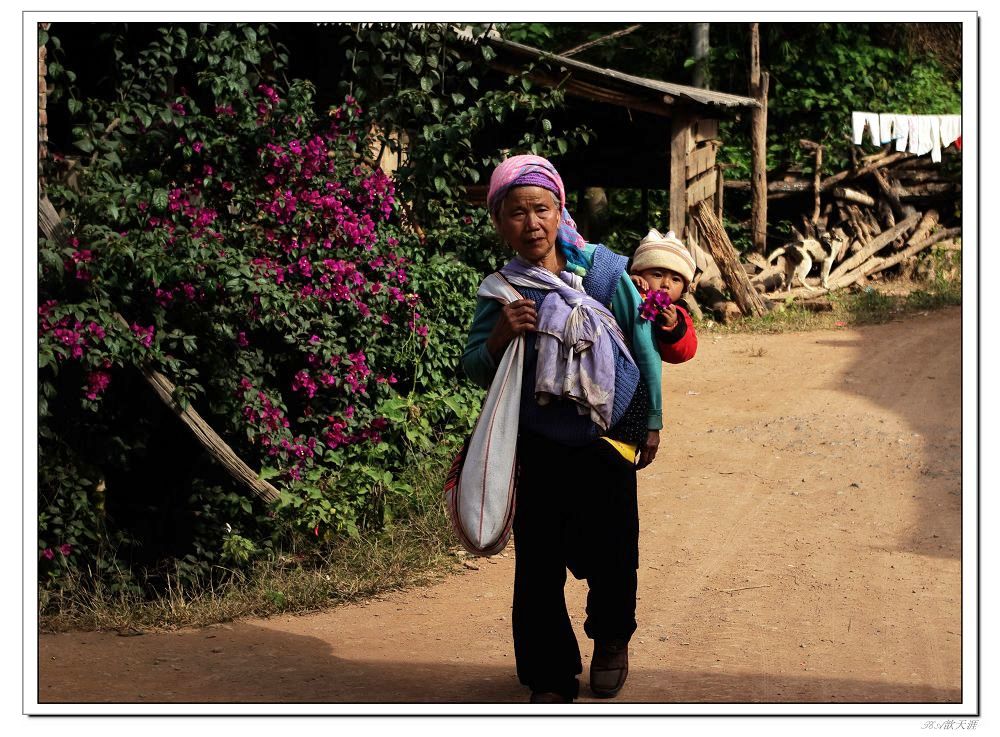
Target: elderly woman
{"points": [[590, 416]]}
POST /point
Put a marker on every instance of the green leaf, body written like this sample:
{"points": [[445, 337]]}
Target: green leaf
{"points": [[440, 184], [160, 199], [414, 61], [84, 144], [426, 84], [74, 105]]}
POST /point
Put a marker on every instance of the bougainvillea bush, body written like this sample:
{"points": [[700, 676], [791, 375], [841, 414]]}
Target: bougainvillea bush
{"points": [[222, 230]]}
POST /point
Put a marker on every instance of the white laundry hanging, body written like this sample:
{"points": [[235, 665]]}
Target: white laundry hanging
{"points": [[862, 120], [918, 134]]}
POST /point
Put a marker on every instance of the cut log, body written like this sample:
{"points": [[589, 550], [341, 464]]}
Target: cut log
{"points": [[728, 262], [889, 190], [51, 226], [853, 195], [877, 244], [925, 226], [835, 179], [930, 189], [918, 176]]}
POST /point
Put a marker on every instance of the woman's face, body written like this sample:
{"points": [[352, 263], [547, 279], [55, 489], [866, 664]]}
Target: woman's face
{"points": [[528, 221]]}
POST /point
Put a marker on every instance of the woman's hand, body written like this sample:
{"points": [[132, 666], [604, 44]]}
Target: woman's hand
{"points": [[647, 452], [515, 318]]}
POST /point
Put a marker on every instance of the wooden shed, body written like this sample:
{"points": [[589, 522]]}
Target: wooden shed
{"points": [[650, 134]]}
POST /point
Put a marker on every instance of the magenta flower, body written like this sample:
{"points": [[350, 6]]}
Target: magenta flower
{"points": [[655, 302], [65, 549], [97, 382], [48, 554]]}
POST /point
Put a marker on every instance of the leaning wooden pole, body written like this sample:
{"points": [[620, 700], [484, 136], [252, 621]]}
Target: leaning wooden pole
{"points": [[758, 145], [719, 245], [51, 227]]}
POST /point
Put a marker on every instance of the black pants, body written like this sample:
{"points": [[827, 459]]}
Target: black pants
{"points": [[576, 509]]}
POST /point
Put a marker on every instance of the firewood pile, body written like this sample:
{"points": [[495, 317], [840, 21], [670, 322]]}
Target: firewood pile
{"points": [[880, 214]]}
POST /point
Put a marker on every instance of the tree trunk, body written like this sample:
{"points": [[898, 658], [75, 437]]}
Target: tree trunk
{"points": [[699, 52], [925, 226]]}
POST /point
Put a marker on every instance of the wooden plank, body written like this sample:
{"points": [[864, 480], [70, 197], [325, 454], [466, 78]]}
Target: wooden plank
{"points": [[700, 160], [706, 129], [702, 188], [680, 135]]}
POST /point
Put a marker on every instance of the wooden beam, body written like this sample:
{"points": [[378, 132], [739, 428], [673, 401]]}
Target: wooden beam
{"points": [[680, 135]]}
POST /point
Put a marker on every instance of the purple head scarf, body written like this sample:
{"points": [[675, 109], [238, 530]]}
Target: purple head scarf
{"points": [[527, 170]]}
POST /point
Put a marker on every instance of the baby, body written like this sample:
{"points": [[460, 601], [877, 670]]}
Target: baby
{"points": [[663, 264]]}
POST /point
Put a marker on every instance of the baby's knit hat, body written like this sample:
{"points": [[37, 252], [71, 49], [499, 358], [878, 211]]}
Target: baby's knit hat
{"points": [[663, 252]]}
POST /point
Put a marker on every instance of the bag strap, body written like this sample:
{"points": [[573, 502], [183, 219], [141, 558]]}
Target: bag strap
{"points": [[497, 286]]}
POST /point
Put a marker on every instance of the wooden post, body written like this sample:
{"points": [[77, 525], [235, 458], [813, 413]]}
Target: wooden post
{"points": [[758, 145], [680, 143]]}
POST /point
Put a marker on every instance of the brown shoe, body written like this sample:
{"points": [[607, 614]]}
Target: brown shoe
{"points": [[608, 668], [549, 697]]}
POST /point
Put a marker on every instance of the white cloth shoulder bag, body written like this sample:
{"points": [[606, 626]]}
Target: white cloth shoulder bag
{"points": [[480, 488]]}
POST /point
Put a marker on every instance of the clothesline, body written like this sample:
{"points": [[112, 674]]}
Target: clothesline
{"points": [[918, 134]]}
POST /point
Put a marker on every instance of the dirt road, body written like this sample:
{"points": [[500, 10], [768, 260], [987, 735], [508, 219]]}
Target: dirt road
{"points": [[800, 543]]}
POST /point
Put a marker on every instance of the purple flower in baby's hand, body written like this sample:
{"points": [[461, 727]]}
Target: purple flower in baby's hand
{"points": [[655, 302]]}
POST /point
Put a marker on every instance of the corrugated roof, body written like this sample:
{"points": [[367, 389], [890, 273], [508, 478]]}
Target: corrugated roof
{"points": [[692, 94]]}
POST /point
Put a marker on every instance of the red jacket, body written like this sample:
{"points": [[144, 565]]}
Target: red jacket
{"points": [[678, 344]]}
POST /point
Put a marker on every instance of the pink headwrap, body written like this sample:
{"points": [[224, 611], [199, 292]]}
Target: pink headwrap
{"points": [[529, 170]]}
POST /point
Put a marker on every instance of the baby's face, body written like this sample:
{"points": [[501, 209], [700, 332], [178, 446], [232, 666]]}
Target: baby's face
{"points": [[665, 280]]}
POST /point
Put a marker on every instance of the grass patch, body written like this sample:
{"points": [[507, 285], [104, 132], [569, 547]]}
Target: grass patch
{"points": [[409, 552], [869, 306]]}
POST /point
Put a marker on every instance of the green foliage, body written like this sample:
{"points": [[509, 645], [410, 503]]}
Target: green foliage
{"points": [[264, 268], [425, 85]]}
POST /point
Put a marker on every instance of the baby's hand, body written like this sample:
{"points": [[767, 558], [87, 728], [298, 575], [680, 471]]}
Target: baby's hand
{"points": [[669, 317], [641, 284]]}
